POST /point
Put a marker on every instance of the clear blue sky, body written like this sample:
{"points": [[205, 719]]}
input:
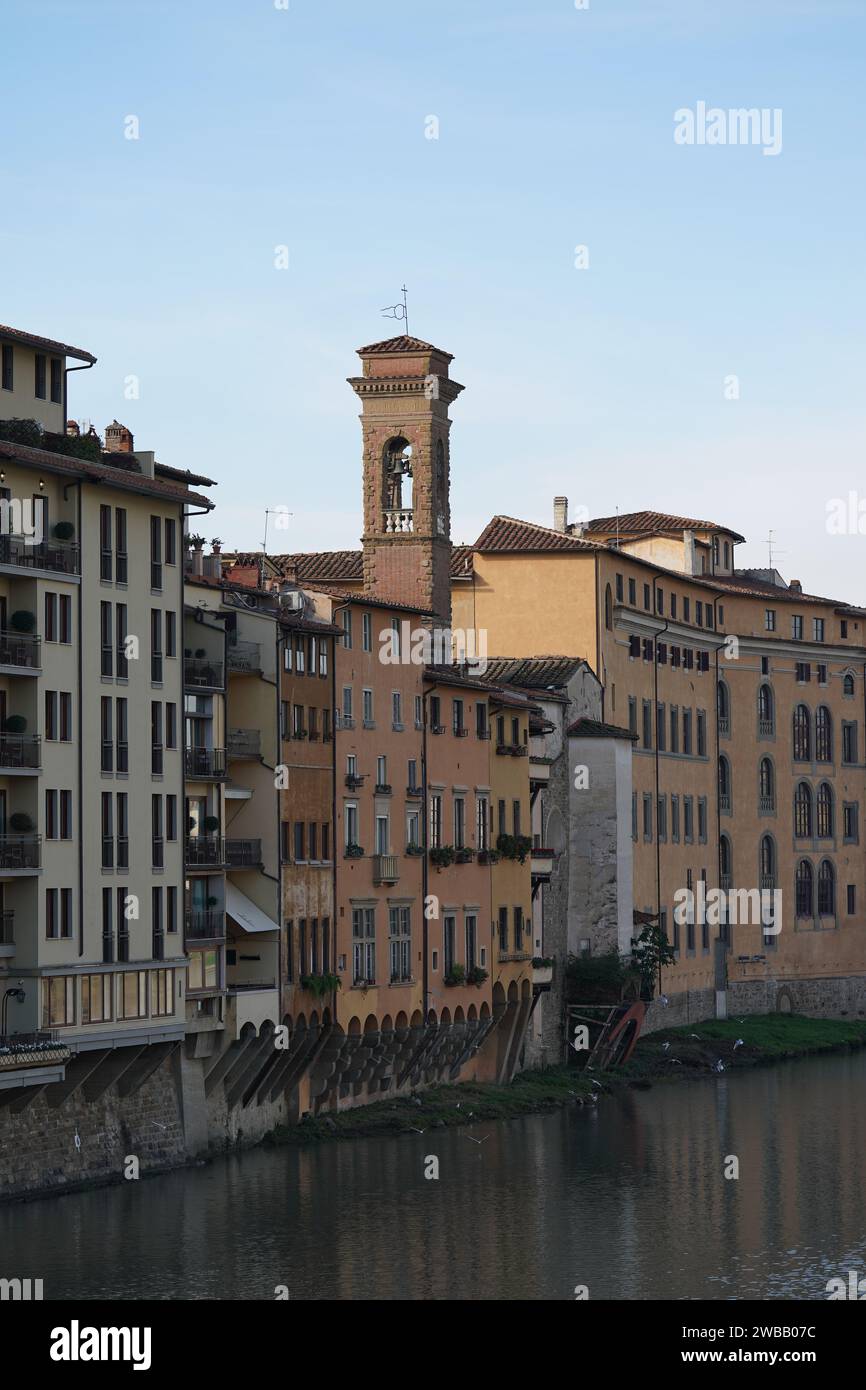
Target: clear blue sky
{"points": [[306, 127]]}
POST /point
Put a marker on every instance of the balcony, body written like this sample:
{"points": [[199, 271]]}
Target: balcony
{"points": [[397, 520], [20, 852], [766, 728], [355, 780], [205, 762], [724, 725], [204, 924], [542, 863], [386, 868], [542, 974], [725, 803], [201, 674], [61, 557], [243, 854], [767, 805], [7, 937], [244, 743], [26, 1050], [244, 658], [19, 649], [205, 849], [20, 750]]}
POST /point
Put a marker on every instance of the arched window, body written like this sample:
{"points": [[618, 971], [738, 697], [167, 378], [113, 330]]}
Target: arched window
{"points": [[725, 859], [724, 785], [823, 735], [804, 894], [848, 686], [826, 890], [768, 862], [767, 787], [802, 734], [824, 818], [803, 811], [724, 699], [608, 608], [727, 555], [766, 715]]}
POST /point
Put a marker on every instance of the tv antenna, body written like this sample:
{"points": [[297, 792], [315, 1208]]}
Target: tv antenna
{"points": [[270, 511]]}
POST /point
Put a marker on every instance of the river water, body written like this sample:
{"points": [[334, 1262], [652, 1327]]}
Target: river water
{"points": [[628, 1198]]}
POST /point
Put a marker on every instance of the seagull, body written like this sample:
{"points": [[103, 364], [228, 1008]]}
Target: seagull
{"points": [[720, 1066], [738, 1043], [476, 1141], [665, 1047], [675, 1060], [158, 1125], [694, 1035], [593, 1082], [77, 1140], [663, 1000], [416, 1131]]}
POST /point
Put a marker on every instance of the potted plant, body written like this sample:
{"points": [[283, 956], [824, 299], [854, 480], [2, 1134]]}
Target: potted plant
{"points": [[211, 823], [488, 856], [414, 849], [20, 822], [542, 970], [14, 724], [212, 901], [442, 856], [22, 621], [320, 985], [463, 855], [63, 530], [354, 852], [476, 976], [200, 653], [456, 975], [187, 651]]}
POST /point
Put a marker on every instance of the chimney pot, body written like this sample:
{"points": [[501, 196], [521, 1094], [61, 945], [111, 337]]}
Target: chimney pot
{"points": [[795, 586], [560, 513], [118, 439]]}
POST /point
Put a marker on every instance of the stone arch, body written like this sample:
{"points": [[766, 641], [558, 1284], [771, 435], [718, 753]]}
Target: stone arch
{"points": [[402, 1021], [354, 1026], [459, 1016], [387, 1024], [554, 831], [371, 1024], [417, 1019], [473, 1014], [431, 1018], [445, 1017], [512, 992], [485, 1012]]}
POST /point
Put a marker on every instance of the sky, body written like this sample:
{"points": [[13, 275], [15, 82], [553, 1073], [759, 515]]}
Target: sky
{"points": [[702, 355]]}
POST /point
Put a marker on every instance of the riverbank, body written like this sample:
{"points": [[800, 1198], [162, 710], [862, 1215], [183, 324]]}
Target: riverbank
{"points": [[708, 1049]]}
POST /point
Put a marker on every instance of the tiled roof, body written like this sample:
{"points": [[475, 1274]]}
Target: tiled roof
{"points": [[499, 692], [401, 344], [593, 728], [646, 523], [183, 475], [34, 340], [461, 561], [125, 478], [327, 566], [760, 588], [506, 533], [371, 600], [534, 672]]}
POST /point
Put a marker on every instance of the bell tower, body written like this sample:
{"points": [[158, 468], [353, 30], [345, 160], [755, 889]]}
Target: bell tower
{"points": [[405, 392]]}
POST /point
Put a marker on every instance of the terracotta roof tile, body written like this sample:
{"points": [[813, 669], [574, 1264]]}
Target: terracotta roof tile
{"points": [[125, 478], [594, 728], [534, 672], [330, 566], [506, 533], [646, 523], [401, 344], [34, 340]]}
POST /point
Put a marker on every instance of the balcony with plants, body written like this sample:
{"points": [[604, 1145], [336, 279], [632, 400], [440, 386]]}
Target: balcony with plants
{"points": [[20, 647]]}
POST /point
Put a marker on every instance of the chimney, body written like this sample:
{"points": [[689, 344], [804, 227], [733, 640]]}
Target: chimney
{"points": [[689, 552], [795, 586], [118, 439], [560, 513], [72, 429]]}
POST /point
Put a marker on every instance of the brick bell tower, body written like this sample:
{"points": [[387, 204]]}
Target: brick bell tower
{"points": [[405, 393]]}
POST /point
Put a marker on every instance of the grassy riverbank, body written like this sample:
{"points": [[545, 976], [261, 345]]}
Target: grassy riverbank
{"points": [[659, 1058]]}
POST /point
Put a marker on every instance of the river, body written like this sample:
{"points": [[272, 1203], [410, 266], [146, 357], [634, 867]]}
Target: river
{"points": [[628, 1198]]}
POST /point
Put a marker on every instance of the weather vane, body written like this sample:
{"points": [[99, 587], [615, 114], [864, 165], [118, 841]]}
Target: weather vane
{"points": [[398, 311]]}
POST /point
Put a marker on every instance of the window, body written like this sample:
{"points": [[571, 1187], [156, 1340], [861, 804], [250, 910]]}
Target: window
{"points": [[482, 822], [608, 608], [8, 362], [647, 816], [765, 665], [802, 734], [399, 944], [769, 619], [660, 727], [675, 818], [826, 889], [724, 786], [619, 588], [351, 823], [156, 744], [823, 735], [850, 833], [817, 629], [346, 718], [803, 811], [155, 645], [155, 553], [673, 605], [457, 723], [368, 709], [766, 715], [419, 712], [346, 639], [96, 1003], [122, 661], [647, 724], [767, 858], [824, 812], [161, 993], [797, 627], [58, 1000], [634, 815], [766, 788], [396, 710], [39, 382], [367, 632], [687, 732], [688, 819], [822, 673], [702, 820], [848, 686], [803, 672], [122, 735], [851, 899], [106, 556], [662, 818], [120, 544], [849, 742], [56, 381], [702, 733], [699, 612], [363, 945], [646, 597], [132, 992], [460, 822], [471, 933], [299, 848], [170, 541], [724, 707], [105, 622]]}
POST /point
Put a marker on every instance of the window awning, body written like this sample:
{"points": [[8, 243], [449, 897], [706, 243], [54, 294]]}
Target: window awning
{"points": [[244, 913]]}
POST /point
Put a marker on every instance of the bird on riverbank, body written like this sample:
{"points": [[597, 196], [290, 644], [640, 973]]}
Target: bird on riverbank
{"points": [[476, 1141], [738, 1043]]}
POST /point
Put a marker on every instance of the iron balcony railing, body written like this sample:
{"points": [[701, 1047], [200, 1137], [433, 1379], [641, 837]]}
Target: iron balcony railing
{"points": [[386, 868], [243, 854], [244, 657], [205, 762], [62, 557], [20, 851], [205, 849], [19, 649], [20, 750], [204, 924], [201, 674], [7, 922]]}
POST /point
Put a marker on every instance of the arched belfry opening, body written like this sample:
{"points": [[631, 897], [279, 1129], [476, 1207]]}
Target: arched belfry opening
{"points": [[397, 477], [405, 393]]}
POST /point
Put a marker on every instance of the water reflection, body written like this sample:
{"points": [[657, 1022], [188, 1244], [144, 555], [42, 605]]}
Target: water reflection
{"points": [[629, 1198]]}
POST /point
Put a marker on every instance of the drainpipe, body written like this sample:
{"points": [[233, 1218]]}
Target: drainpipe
{"points": [[655, 727], [334, 847], [425, 869], [85, 367], [80, 718]]}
